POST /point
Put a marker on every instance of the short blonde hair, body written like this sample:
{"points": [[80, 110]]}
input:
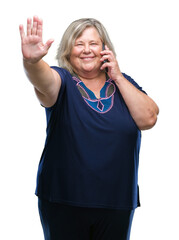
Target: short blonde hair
{"points": [[74, 31]]}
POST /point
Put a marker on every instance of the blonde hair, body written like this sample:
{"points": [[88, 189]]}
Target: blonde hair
{"points": [[74, 31]]}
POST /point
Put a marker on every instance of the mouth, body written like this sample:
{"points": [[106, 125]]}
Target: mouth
{"points": [[87, 58]]}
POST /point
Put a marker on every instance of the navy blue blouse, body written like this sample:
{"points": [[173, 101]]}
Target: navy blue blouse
{"points": [[91, 152]]}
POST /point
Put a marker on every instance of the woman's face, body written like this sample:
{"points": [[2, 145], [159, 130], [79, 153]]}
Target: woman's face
{"points": [[85, 55]]}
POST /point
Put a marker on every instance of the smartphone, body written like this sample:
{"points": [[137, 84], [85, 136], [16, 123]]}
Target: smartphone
{"points": [[103, 48]]}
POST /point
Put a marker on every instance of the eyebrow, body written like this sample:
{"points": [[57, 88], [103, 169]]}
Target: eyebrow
{"points": [[80, 41]]}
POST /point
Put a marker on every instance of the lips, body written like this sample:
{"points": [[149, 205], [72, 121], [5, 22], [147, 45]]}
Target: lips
{"points": [[87, 58]]}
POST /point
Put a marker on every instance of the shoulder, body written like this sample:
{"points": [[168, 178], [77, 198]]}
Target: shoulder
{"points": [[61, 71], [131, 80]]}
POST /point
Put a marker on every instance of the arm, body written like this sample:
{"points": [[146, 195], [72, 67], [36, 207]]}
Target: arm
{"points": [[141, 107], [45, 80]]}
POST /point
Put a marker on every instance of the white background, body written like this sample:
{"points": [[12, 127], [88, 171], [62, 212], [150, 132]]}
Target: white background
{"points": [[145, 36]]}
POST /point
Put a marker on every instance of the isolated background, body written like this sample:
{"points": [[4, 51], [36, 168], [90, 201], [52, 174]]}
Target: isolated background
{"points": [[145, 36]]}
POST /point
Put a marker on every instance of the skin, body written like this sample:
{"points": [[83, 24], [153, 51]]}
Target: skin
{"points": [[87, 60], [46, 81]]}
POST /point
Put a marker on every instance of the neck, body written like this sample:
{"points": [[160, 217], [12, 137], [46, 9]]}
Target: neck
{"points": [[92, 77], [95, 83]]}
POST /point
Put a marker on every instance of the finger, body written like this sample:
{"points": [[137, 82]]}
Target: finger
{"points": [[106, 52], [40, 28], [106, 58], [48, 44], [106, 47], [105, 65], [29, 26], [21, 30], [35, 22]]}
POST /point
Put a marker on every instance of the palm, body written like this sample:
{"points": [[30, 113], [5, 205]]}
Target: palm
{"points": [[33, 49]]}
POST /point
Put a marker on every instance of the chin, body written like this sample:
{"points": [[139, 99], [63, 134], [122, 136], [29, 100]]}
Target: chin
{"points": [[91, 68]]}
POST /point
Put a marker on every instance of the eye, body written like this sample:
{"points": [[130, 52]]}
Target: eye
{"points": [[79, 44], [93, 43]]}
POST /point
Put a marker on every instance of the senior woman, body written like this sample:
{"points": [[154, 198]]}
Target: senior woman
{"points": [[87, 182]]}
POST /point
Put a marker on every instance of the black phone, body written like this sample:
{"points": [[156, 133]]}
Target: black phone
{"points": [[103, 48]]}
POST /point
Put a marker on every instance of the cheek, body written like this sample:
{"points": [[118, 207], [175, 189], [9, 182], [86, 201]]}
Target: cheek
{"points": [[74, 55], [76, 51], [74, 61]]}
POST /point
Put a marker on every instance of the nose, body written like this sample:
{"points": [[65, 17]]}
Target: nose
{"points": [[86, 49]]}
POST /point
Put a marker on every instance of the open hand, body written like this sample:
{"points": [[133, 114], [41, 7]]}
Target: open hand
{"points": [[33, 48]]}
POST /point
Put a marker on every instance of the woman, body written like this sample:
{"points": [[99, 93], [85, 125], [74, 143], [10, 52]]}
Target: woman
{"points": [[87, 182]]}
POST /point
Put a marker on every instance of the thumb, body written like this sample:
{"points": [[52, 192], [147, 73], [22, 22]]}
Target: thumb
{"points": [[48, 44]]}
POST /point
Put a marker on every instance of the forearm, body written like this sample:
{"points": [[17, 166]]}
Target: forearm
{"points": [[142, 108], [40, 75]]}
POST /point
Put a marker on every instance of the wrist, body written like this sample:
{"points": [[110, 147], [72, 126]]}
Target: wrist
{"points": [[119, 78], [28, 63]]}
